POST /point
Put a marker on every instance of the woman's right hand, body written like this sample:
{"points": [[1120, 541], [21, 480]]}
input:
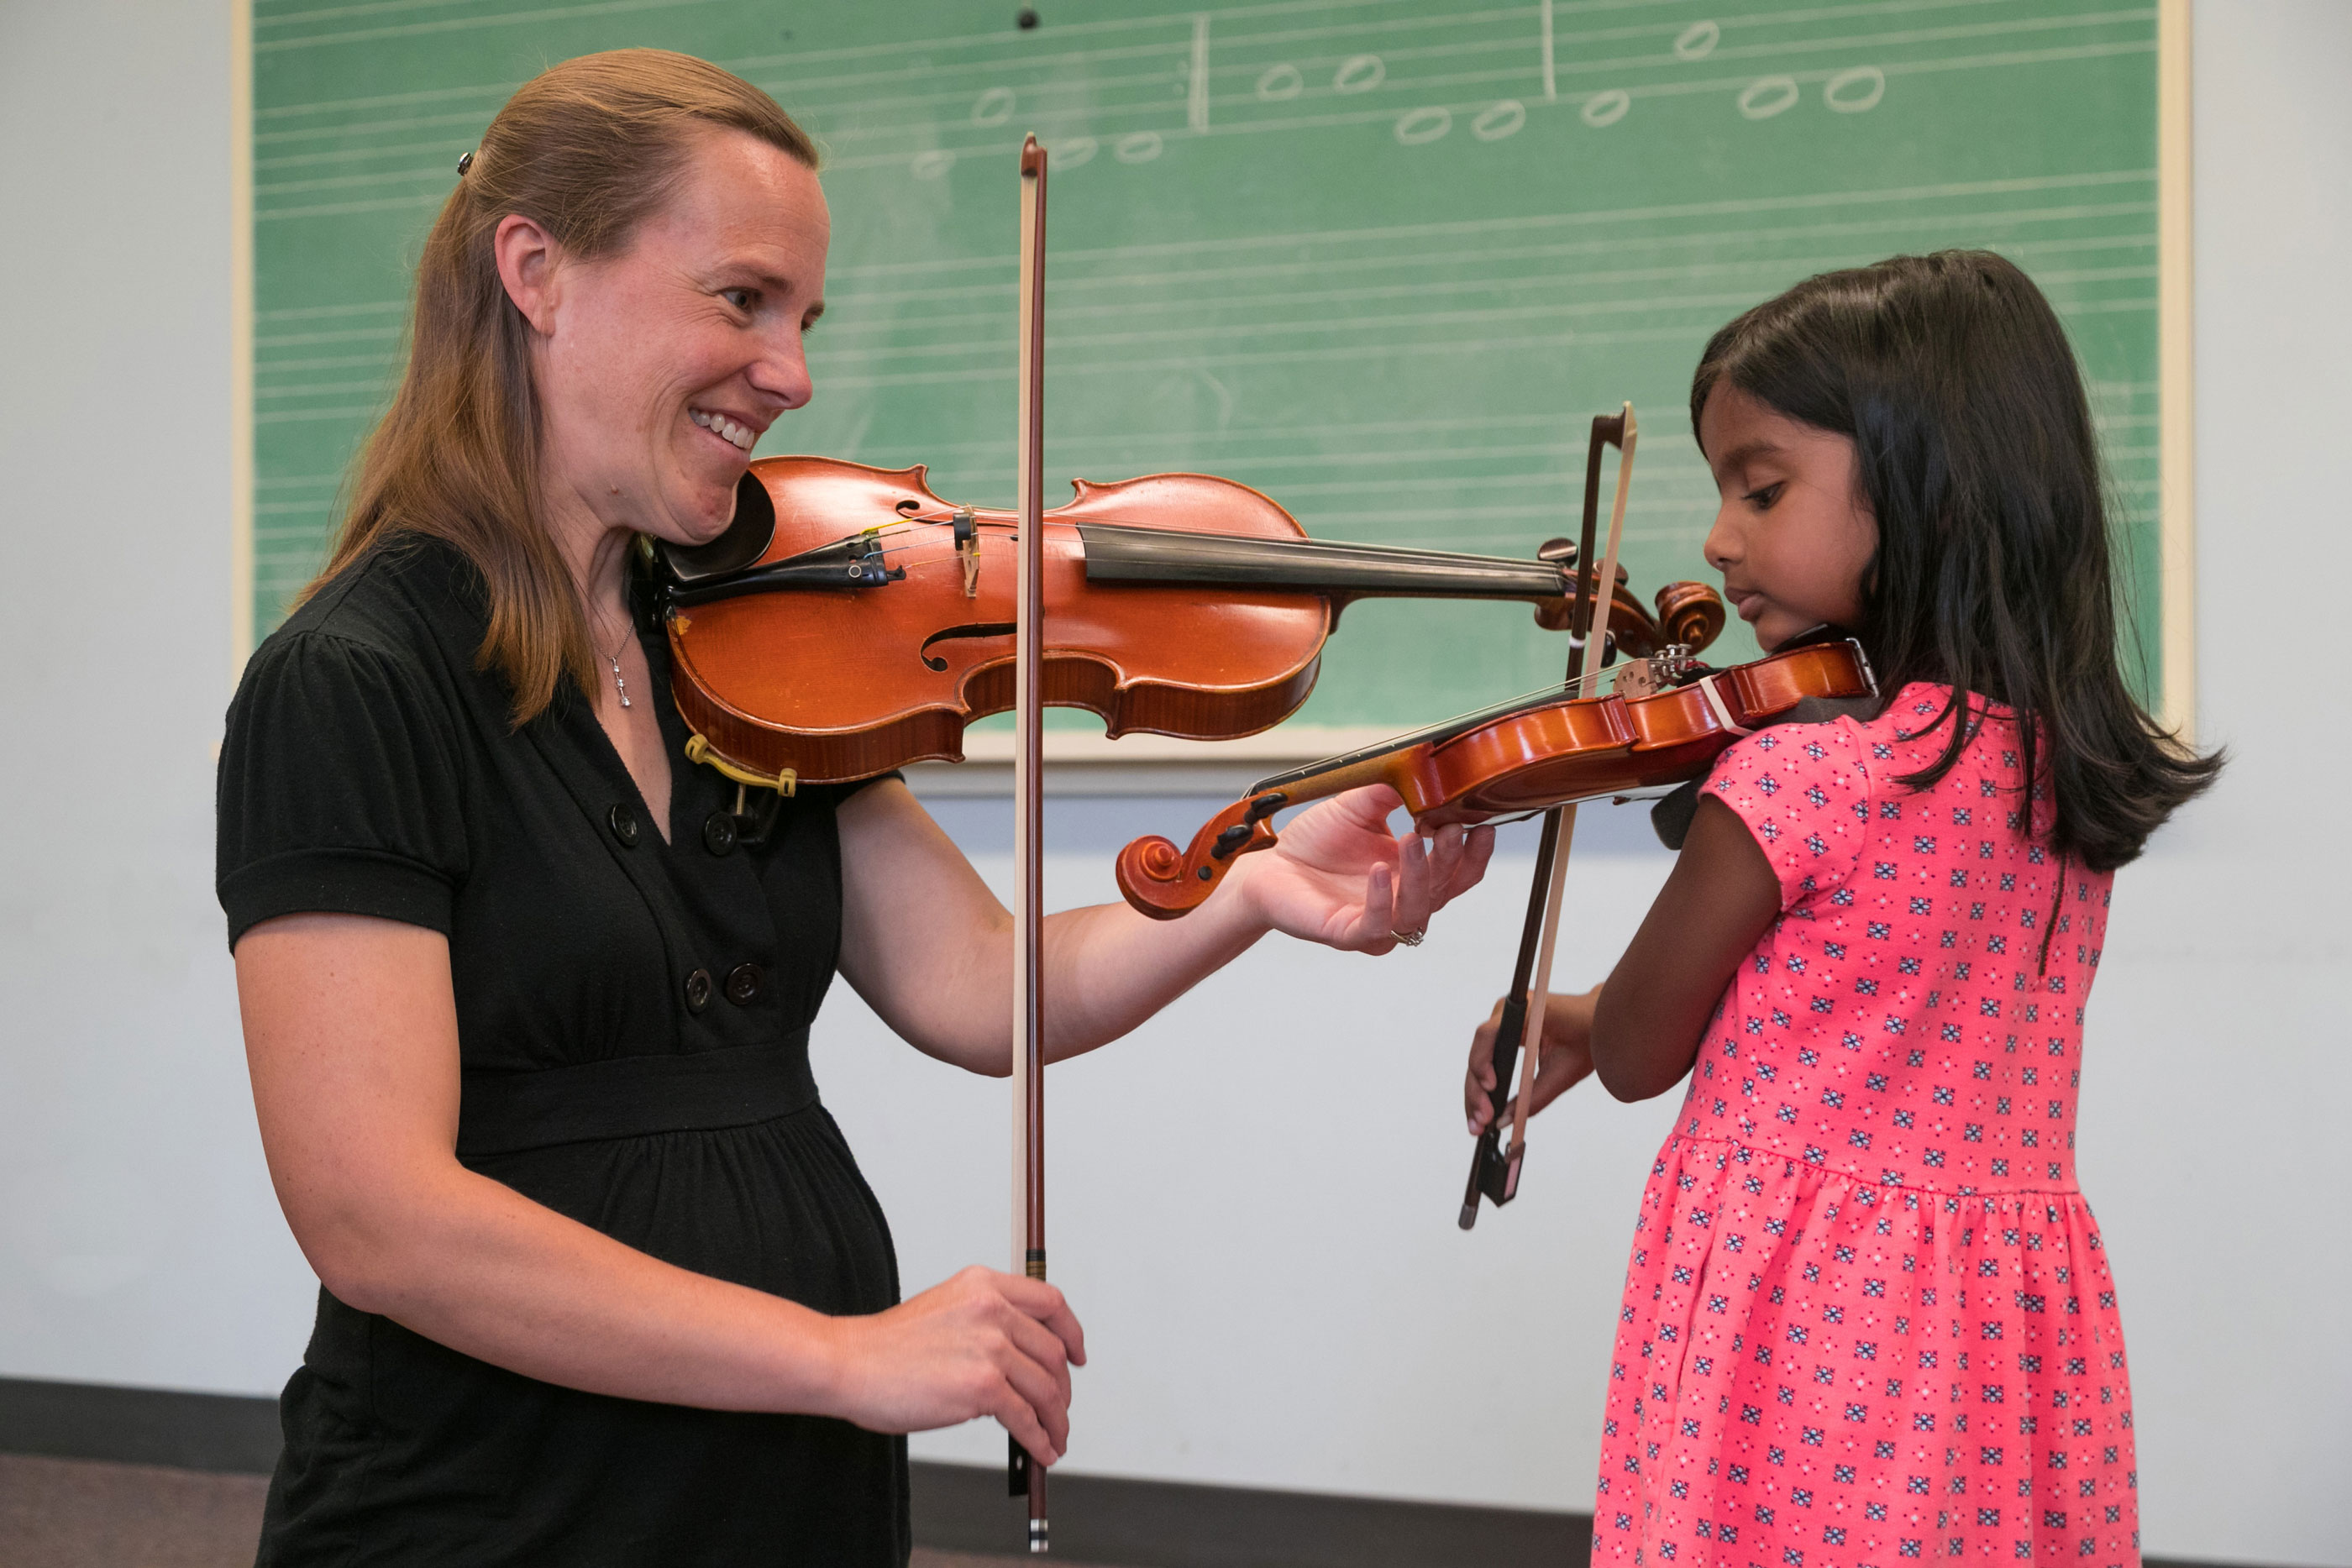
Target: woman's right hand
{"points": [[978, 1344], [1564, 1054]]}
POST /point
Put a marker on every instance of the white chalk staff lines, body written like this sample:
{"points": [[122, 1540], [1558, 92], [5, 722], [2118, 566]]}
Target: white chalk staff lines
{"points": [[1853, 91], [995, 107]]}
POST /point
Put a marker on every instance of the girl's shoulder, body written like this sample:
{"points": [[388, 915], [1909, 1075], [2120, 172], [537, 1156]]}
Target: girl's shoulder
{"points": [[1815, 796], [1912, 728], [1805, 792]]}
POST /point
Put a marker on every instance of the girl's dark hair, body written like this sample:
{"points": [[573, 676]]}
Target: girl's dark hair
{"points": [[1973, 442]]}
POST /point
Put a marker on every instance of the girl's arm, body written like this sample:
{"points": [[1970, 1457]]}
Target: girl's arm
{"points": [[351, 1030], [931, 949], [1640, 1030], [1720, 899]]}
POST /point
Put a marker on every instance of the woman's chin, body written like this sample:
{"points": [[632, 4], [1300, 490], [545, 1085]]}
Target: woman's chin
{"points": [[701, 518]]}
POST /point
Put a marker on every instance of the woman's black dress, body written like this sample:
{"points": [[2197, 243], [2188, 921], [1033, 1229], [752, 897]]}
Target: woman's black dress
{"points": [[632, 1019]]}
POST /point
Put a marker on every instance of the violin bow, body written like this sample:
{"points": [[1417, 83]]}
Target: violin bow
{"points": [[1518, 1034], [1024, 1476]]}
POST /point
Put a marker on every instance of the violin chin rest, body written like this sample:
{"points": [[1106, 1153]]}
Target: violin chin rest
{"points": [[745, 541]]}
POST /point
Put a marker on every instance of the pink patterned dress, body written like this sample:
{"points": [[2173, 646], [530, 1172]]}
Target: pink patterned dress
{"points": [[1868, 1318]]}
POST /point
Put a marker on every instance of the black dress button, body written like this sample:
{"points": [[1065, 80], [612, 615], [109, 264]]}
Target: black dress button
{"points": [[625, 826], [718, 833], [743, 984], [697, 990]]}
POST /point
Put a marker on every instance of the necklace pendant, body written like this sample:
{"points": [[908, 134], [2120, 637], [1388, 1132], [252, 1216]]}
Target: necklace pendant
{"points": [[620, 682]]}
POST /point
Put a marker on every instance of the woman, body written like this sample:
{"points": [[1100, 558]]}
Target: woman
{"points": [[527, 1022]]}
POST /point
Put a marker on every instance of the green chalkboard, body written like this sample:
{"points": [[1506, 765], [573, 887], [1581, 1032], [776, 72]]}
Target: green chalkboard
{"points": [[1381, 259]]}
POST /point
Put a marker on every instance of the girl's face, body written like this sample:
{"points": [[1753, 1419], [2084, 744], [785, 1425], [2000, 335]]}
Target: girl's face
{"points": [[1794, 535], [659, 366]]}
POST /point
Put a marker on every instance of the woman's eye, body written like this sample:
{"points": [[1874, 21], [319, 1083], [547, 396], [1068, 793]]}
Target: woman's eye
{"points": [[1763, 499]]}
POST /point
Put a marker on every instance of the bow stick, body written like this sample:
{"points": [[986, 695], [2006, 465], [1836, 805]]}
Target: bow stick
{"points": [[1518, 1034], [1024, 1476]]}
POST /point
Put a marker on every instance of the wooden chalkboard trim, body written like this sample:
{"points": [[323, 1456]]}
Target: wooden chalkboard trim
{"points": [[2176, 368]]}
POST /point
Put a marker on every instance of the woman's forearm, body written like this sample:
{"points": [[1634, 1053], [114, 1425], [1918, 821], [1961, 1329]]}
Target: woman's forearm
{"points": [[470, 1263], [1107, 969], [929, 947]]}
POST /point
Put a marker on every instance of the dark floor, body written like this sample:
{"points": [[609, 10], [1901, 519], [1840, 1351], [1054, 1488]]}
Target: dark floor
{"points": [[80, 1513]]}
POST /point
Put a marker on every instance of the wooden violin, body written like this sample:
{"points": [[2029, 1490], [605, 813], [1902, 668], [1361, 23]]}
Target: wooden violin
{"points": [[1525, 756], [850, 620]]}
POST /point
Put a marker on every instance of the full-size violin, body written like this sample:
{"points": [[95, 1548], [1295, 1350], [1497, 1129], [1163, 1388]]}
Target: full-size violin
{"points": [[850, 620]]}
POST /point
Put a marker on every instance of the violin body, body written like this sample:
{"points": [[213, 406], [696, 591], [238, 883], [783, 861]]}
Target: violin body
{"points": [[1528, 759], [1599, 746], [843, 683], [852, 620]]}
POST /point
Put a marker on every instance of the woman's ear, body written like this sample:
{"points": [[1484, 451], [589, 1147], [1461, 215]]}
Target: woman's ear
{"points": [[526, 254]]}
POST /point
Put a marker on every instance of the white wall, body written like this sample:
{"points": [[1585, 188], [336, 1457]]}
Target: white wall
{"points": [[1252, 1201], [137, 1240]]}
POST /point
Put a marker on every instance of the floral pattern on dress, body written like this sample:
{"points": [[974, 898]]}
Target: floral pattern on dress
{"points": [[1868, 1317]]}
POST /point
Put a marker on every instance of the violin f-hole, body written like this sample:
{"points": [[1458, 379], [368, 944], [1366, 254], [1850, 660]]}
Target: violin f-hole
{"points": [[954, 634]]}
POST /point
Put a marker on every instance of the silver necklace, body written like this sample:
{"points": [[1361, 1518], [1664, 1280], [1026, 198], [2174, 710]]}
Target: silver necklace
{"points": [[620, 682]]}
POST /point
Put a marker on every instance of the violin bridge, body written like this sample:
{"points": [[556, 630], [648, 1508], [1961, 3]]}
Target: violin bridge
{"points": [[967, 545]]}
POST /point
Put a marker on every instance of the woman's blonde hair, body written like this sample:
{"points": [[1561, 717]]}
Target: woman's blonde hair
{"points": [[588, 150]]}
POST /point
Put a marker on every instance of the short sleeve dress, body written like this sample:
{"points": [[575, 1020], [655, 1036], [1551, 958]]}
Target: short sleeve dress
{"points": [[1868, 1318], [633, 1026]]}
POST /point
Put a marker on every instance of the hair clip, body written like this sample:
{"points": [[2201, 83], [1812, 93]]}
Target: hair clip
{"points": [[464, 163]]}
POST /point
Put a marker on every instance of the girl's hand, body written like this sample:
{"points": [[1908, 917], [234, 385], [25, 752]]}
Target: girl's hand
{"points": [[1563, 1055], [979, 1344], [1336, 876]]}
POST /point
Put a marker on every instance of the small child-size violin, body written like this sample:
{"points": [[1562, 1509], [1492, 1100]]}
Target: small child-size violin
{"points": [[1664, 724]]}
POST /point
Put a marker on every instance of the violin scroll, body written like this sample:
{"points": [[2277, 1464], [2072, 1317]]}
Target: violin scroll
{"points": [[1165, 883], [1690, 613]]}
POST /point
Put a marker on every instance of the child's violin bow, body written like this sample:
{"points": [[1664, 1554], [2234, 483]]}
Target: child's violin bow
{"points": [[1518, 1035]]}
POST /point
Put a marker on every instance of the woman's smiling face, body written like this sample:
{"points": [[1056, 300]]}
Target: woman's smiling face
{"points": [[658, 367], [1794, 534]]}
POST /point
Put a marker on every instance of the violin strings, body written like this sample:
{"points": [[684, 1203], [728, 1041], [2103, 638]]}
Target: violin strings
{"points": [[1399, 554], [1444, 729]]}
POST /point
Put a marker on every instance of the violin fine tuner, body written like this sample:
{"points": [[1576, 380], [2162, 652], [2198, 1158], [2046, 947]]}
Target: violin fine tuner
{"points": [[1675, 665]]}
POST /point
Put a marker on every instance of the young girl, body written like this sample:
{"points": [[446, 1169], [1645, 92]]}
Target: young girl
{"points": [[1867, 1316]]}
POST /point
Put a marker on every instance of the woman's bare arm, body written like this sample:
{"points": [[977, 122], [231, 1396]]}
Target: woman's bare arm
{"points": [[352, 1035], [930, 948]]}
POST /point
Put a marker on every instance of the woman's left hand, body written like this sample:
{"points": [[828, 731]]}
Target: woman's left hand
{"points": [[1335, 875]]}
